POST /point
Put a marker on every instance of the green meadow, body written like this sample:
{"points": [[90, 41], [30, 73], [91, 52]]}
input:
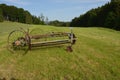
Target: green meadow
{"points": [[95, 56]]}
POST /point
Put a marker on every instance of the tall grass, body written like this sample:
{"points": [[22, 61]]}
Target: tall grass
{"points": [[95, 56]]}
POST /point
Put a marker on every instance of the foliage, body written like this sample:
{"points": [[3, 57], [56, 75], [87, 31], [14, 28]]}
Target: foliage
{"points": [[115, 0], [106, 16], [28, 18], [12, 13], [35, 20], [59, 23], [1, 15]]}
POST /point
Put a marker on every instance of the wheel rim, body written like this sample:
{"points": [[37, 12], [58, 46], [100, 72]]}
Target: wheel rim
{"points": [[17, 42]]}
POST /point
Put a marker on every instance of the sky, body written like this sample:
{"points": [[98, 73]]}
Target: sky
{"points": [[62, 10]]}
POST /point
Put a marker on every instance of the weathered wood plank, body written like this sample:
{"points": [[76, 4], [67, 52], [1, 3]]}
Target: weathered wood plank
{"points": [[49, 43]]}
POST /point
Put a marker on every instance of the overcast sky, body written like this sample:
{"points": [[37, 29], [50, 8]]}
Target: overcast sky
{"points": [[63, 10]]}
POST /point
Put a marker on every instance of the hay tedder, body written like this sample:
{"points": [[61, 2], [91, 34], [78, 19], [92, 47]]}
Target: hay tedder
{"points": [[23, 40]]}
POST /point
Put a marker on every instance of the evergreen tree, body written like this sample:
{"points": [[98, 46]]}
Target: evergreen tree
{"points": [[110, 20], [21, 15], [36, 20], [12, 13], [115, 0], [107, 15], [1, 15], [28, 18]]}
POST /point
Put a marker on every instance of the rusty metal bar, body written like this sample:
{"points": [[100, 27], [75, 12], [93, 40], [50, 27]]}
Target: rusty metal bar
{"points": [[49, 35]]}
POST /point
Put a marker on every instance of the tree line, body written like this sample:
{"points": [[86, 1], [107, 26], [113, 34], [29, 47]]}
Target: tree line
{"points": [[12, 13], [107, 15], [59, 23]]}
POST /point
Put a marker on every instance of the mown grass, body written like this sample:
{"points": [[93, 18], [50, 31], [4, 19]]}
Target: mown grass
{"points": [[96, 56]]}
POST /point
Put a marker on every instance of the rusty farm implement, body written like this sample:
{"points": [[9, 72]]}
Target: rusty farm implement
{"points": [[22, 41]]}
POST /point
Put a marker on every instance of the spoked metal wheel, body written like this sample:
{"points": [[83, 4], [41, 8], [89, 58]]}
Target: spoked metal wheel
{"points": [[18, 42]]}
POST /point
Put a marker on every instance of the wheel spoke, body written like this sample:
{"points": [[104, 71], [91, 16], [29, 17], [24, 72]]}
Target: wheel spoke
{"points": [[17, 42]]}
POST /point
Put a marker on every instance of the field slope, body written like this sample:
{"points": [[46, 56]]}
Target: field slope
{"points": [[95, 56]]}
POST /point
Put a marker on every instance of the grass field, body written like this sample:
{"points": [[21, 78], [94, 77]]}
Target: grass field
{"points": [[95, 56]]}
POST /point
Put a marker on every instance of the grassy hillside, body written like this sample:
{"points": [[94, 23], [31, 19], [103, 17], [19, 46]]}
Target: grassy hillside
{"points": [[96, 56]]}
